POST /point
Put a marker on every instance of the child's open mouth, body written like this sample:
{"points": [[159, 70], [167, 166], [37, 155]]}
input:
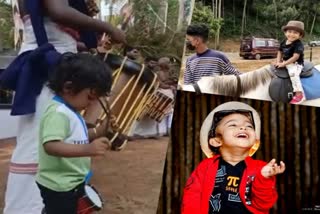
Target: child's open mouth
{"points": [[242, 135]]}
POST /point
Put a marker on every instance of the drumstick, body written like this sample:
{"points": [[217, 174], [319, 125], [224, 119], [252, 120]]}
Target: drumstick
{"points": [[103, 36], [107, 52], [107, 111]]}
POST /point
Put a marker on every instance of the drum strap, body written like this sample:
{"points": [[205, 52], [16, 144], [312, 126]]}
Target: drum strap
{"points": [[196, 88], [106, 110]]}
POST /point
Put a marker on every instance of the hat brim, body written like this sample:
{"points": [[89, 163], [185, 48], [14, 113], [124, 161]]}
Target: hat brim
{"points": [[206, 126], [285, 28]]}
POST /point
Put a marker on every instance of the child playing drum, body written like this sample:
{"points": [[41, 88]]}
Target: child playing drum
{"points": [[65, 148], [230, 181]]}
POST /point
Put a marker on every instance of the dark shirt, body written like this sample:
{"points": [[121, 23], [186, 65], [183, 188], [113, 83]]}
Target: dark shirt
{"points": [[225, 197], [289, 50]]}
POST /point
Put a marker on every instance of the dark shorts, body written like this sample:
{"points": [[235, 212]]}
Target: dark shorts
{"points": [[61, 202]]}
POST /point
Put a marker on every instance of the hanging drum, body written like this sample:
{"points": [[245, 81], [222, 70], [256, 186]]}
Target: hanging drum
{"points": [[133, 86]]}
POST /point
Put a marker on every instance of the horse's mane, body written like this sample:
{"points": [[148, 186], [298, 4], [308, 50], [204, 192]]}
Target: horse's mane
{"points": [[228, 84]]}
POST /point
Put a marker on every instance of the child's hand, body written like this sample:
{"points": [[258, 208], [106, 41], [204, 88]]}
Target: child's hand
{"points": [[99, 146], [105, 44], [272, 168], [280, 65]]}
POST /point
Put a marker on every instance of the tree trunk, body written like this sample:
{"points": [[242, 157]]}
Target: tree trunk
{"points": [[216, 9], [312, 26], [181, 15], [234, 14], [276, 15], [111, 11], [188, 19], [243, 18], [1, 46], [163, 11], [217, 39]]}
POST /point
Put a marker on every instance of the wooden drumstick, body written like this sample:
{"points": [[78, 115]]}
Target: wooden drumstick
{"points": [[108, 51], [103, 36]]}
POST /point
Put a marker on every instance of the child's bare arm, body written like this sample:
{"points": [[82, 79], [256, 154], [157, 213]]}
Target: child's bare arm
{"points": [[97, 147], [61, 12], [293, 59], [279, 57], [100, 131]]}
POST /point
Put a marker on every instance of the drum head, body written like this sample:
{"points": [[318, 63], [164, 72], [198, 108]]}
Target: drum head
{"points": [[130, 67], [93, 196]]}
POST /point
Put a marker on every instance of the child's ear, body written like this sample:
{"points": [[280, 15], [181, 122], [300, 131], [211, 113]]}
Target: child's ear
{"points": [[215, 141], [67, 87]]}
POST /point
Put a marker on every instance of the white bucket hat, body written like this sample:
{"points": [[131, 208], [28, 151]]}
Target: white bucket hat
{"points": [[229, 106]]}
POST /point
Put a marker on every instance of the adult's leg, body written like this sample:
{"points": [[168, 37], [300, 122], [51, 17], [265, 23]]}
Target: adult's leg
{"points": [[22, 195], [23, 188]]}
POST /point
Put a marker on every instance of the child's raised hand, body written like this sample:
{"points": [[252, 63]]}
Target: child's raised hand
{"points": [[99, 146], [272, 168]]}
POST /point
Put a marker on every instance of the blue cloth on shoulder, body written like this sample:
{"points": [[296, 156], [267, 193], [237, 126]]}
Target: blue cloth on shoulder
{"points": [[30, 70], [26, 76]]}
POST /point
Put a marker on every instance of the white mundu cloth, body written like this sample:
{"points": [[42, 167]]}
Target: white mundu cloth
{"points": [[22, 194]]}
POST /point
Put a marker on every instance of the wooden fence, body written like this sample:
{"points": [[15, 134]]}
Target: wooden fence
{"points": [[289, 133]]}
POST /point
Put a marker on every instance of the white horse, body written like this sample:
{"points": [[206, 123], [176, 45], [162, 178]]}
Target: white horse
{"points": [[254, 85]]}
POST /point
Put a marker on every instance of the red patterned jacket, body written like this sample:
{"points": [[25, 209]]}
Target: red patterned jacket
{"points": [[259, 198]]}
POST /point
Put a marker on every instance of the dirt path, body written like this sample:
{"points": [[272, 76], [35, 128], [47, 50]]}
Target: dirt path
{"points": [[129, 181]]}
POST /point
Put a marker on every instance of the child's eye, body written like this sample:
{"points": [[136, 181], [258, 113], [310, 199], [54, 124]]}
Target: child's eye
{"points": [[232, 125], [250, 126]]}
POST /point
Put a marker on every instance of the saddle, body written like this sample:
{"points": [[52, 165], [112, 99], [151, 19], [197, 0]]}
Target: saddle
{"points": [[280, 88]]}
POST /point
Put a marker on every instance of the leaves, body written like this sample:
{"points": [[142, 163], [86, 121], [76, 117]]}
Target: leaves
{"points": [[204, 14], [6, 25], [266, 17]]}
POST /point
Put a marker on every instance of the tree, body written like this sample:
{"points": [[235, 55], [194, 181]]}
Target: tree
{"points": [[181, 14], [204, 14], [147, 32], [243, 18], [6, 26]]}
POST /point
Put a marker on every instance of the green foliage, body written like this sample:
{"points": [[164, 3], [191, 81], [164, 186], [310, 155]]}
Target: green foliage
{"points": [[6, 26], [204, 14], [147, 32], [266, 17]]}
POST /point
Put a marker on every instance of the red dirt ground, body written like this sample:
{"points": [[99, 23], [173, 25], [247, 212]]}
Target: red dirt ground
{"points": [[129, 181]]}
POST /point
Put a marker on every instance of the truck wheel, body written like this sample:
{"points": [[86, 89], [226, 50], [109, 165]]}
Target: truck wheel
{"points": [[258, 56]]}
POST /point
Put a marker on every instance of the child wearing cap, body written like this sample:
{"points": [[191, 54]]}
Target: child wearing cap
{"points": [[230, 181], [290, 55]]}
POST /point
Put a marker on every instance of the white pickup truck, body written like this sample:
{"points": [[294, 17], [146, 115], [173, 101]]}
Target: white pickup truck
{"points": [[314, 43]]}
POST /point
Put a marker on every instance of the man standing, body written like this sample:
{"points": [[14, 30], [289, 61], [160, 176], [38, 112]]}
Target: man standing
{"points": [[205, 62]]}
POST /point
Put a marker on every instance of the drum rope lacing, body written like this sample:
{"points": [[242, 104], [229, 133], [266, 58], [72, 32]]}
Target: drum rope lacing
{"points": [[135, 111]]}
